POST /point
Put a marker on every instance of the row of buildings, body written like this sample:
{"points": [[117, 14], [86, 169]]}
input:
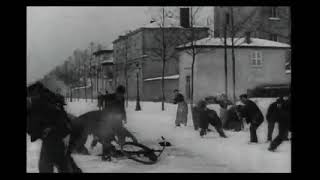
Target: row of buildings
{"points": [[262, 54]]}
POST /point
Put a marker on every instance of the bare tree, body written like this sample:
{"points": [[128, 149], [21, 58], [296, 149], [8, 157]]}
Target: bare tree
{"points": [[164, 46], [90, 71], [126, 64], [231, 30]]}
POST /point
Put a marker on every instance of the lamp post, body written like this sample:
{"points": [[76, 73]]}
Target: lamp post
{"points": [[138, 107]]}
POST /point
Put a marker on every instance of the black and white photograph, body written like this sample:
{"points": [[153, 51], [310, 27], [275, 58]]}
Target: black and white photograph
{"points": [[158, 89]]}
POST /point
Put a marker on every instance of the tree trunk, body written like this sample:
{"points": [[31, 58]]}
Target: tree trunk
{"points": [[127, 91], [71, 94], [91, 84], [192, 77], [85, 86], [162, 85], [225, 60], [126, 73], [233, 58], [163, 59]]}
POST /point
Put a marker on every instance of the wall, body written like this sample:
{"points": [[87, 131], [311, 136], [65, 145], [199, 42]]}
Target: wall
{"points": [[260, 18], [153, 45], [152, 90], [147, 41], [210, 76]]}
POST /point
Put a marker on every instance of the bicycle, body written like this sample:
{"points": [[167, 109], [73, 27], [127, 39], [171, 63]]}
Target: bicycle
{"points": [[141, 153]]}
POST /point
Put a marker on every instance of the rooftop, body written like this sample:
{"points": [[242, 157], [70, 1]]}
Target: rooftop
{"points": [[240, 42], [168, 23], [105, 51]]}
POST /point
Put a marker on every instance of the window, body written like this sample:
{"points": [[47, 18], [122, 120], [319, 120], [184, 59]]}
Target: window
{"points": [[256, 59], [273, 12], [273, 37]]}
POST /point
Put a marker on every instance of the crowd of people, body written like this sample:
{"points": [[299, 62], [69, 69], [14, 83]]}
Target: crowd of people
{"points": [[107, 123], [236, 116]]}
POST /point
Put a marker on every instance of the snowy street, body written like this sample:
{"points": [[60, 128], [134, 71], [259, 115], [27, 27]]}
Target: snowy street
{"points": [[188, 153]]}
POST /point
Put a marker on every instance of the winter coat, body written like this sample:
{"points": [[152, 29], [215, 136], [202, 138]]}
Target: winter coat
{"points": [[207, 116], [103, 124], [182, 113], [232, 120], [271, 112], [42, 115], [252, 112], [100, 100], [178, 98], [116, 104]]}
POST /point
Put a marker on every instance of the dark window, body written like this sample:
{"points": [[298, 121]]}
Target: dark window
{"points": [[227, 18], [274, 12], [273, 37]]}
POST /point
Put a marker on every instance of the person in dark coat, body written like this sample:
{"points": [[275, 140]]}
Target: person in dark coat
{"points": [[284, 124], [115, 111], [233, 122], [100, 101], [273, 116], [251, 112], [46, 121], [104, 99], [206, 117], [182, 110]]}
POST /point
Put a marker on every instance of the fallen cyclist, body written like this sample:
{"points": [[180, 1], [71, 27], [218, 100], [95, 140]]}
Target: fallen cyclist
{"points": [[113, 152]]}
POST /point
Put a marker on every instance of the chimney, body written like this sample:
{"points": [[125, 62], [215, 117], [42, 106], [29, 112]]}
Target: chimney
{"points": [[248, 39], [184, 17]]}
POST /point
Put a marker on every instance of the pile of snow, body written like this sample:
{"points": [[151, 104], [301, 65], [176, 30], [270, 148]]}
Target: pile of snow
{"points": [[190, 152]]}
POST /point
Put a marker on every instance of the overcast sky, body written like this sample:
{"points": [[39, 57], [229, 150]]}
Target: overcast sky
{"points": [[54, 32]]}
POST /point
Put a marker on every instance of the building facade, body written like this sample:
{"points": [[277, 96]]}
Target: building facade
{"points": [[140, 51], [256, 63], [265, 22], [102, 66]]}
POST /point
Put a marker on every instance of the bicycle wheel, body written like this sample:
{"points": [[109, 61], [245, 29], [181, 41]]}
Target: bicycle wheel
{"points": [[139, 153]]}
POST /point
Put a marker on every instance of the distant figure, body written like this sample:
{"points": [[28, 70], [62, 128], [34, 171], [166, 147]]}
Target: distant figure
{"points": [[100, 100], [206, 117], [251, 112], [182, 110], [104, 99]]}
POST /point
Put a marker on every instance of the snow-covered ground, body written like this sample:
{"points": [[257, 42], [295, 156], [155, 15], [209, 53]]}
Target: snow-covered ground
{"points": [[189, 152]]}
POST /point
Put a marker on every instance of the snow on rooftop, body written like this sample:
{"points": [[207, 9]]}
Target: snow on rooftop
{"points": [[81, 87], [166, 77], [237, 42], [110, 60]]}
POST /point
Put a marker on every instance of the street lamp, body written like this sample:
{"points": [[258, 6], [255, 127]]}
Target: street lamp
{"points": [[138, 107]]}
